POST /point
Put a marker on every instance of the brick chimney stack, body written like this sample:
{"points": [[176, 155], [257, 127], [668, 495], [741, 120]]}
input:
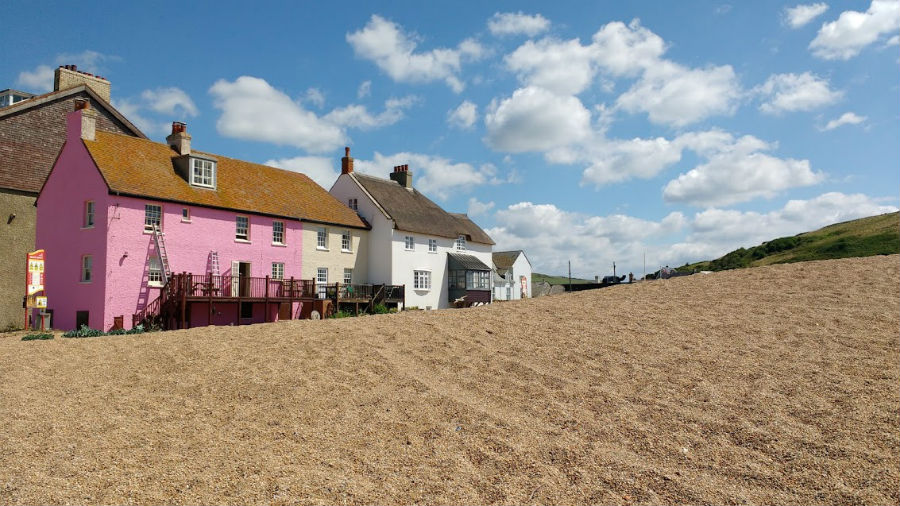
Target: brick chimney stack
{"points": [[402, 176], [88, 119], [68, 76], [346, 162], [179, 140]]}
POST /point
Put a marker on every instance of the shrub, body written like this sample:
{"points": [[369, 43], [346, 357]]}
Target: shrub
{"points": [[380, 309], [85, 331], [342, 314], [35, 337]]}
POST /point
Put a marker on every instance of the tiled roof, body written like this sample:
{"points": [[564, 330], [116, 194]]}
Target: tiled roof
{"points": [[143, 168], [462, 261], [32, 132], [414, 212]]}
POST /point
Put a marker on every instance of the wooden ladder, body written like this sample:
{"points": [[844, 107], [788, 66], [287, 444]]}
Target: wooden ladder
{"points": [[160, 239]]}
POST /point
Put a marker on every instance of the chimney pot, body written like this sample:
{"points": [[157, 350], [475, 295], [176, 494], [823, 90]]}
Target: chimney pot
{"points": [[402, 176], [346, 162], [179, 139]]}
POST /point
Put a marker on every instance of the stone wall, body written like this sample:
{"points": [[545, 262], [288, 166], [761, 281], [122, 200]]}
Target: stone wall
{"points": [[16, 240]]}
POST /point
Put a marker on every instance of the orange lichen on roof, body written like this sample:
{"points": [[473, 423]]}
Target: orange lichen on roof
{"points": [[143, 168]]}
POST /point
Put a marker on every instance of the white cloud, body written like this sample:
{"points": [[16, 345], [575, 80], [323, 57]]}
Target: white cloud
{"points": [[564, 67], [435, 176], [714, 232], [739, 172], [795, 92], [463, 116], [552, 236], [848, 118], [40, 79], [478, 208], [252, 109], [534, 119], [357, 116], [517, 23], [800, 15], [87, 61], [617, 160], [394, 52], [364, 90], [315, 97], [893, 41], [170, 101], [676, 95], [319, 169], [626, 50], [134, 111], [852, 31]]}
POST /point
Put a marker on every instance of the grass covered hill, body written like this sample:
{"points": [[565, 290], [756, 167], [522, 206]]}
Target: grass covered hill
{"points": [[875, 235], [556, 280]]}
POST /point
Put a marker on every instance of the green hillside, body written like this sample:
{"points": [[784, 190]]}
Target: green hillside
{"points": [[556, 280], [876, 235]]}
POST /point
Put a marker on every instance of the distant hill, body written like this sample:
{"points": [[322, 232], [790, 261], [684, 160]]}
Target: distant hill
{"points": [[556, 280], [876, 235]]}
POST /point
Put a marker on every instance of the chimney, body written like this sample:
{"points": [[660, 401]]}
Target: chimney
{"points": [[346, 162], [179, 139], [82, 121], [402, 176], [68, 76]]}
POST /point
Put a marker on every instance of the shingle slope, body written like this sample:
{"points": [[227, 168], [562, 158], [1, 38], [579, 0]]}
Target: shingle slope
{"points": [[144, 168]]}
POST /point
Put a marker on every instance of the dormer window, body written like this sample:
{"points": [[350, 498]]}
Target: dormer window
{"points": [[203, 173]]}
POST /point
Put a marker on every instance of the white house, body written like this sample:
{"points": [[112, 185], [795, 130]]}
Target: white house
{"points": [[440, 257], [512, 279]]}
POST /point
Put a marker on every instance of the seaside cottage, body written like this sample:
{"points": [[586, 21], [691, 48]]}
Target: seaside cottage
{"points": [[442, 258], [32, 131], [135, 229], [512, 279]]}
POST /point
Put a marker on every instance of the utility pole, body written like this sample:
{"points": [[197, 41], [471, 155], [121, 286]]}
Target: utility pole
{"points": [[614, 269], [570, 275], [645, 265]]}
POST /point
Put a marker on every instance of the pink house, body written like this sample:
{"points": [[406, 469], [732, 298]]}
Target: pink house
{"points": [[120, 217]]}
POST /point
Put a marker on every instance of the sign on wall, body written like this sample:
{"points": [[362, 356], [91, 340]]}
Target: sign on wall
{"points": [[523, 281], [35, 281]]}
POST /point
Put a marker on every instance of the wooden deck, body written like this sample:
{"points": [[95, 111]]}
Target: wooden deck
{"points": [[170, 309]]}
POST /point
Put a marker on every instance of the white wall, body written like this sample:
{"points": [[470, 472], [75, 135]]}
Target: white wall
{"points": [[520, 268]]}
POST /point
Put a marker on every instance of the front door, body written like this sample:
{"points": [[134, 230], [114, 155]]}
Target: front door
{"points": [[240, 279]]}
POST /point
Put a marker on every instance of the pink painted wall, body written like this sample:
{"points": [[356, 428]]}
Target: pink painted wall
{"points": [[60, 215], [121, 249], [188, 245]]}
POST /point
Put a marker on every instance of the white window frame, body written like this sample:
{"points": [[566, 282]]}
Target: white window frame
{"points": [[421, 280], [148, 217], [432, 245], [88, 214], [275, 233], [237, 229], [206, 177], [154, 272], [278, 270], [321, 281], [346, 242], [353, 204], [409, 243], [87, 268], [185, 215], [322, 238], [348, 276], [461, 243]]}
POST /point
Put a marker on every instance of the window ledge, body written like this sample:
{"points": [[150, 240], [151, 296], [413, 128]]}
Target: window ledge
{"points": [[279, 244], [88, 227], [185, 221], [243, 241], [433, 252], [319, 248], [346, 251], [154, 284], [85, 282]]}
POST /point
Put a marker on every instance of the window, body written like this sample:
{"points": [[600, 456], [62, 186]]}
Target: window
{"points": [[154, 276], [346, 243], [203, 173], [152, 216], [478, 280], [432, 245], [410, 243], [185, 214], [322, 238], [87, 265], [242, 228], [353, 204], [422, 280], [89, 214], [277, 270], [348, 276], [278, 232], [461, 243], [321, 281]]}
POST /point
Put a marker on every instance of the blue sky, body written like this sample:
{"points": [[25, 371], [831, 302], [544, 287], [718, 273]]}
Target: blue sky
{"points": [[591, 131]]}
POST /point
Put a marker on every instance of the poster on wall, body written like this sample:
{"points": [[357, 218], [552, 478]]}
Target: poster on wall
{"points": [[35, 274], [523, 282]]}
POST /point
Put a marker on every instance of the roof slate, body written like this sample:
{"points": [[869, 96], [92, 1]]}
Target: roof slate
{"points": [[414, 212], [144, 168], [462, 261]]}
